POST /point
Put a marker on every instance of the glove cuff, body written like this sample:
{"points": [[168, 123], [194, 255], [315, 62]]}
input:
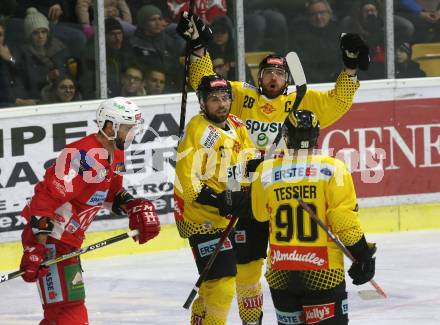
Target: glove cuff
{"points": [[362, 250], [123, 197], [208, 196]]}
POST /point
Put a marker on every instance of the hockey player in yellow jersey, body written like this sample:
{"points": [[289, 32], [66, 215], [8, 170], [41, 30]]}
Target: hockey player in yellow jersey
{"points": [[305, 268], [264, 109], [213, 151]]}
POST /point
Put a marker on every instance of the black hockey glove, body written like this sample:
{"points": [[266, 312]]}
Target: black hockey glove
{"points": [[364, 268], [355, 52], [194, 30], [240, 205], [252, 165]]}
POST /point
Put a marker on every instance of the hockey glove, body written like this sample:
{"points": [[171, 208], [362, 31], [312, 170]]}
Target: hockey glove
{"points": [[142, 216], [363, 269], [240, 205], [192, 29], [31, 260], [355, 52]]}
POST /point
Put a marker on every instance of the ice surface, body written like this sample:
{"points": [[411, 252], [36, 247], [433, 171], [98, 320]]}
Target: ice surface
{"points": [[151, 288]]}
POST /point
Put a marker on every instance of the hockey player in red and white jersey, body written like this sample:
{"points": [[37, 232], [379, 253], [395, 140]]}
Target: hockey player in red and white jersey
{"points": [[85, 177]]}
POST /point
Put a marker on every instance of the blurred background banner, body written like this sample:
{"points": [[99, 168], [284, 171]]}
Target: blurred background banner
{"points": [[392, 147]]}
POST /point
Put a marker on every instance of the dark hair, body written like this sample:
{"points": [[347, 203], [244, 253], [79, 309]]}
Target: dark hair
{"points": [[3, 24], [135, 66], [48, 93], [63, 76], [325, 2], [154, 69]]}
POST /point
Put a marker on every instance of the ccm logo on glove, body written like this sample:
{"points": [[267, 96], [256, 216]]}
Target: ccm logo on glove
{"points": [[143, 217]]}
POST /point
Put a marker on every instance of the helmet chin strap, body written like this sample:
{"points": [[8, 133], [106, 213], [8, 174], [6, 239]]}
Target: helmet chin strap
{"points": [[111, 138]]}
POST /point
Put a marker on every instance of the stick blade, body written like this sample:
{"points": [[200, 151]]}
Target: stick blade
{"points": [[370, 295], [296, 69]]}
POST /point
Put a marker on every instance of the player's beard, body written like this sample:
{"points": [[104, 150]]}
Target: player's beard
{"points": [[120, 143], [215, 118]]}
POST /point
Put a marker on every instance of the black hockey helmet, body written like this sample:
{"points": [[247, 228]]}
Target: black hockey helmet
{"points": [[273, 61], [211, 84], [301, 130]]}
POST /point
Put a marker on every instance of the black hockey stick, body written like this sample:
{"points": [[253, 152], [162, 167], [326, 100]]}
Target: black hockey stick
{"points": [[377, 287], [208, 265], [185, 80], [231, 185], [297, 73], [95, 246]]}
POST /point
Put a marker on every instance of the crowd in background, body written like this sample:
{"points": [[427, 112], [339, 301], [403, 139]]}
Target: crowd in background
{"points": [[47, 50]]}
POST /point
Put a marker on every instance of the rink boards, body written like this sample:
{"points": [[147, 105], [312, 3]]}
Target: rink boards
{"points": [[390, 140]]}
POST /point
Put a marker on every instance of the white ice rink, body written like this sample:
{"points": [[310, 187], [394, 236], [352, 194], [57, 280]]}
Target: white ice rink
{"points": [[151, 288]]}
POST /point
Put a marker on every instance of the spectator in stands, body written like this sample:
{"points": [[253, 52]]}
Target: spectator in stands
{"points": [[133, 82], [117, 9], [425, 15], [221, 67], [8, 70], [43, 57], [60, 90], [61, 19], [222, 45], [207, 10], [155, 82], [367, 20], [118, 55], [265, 29], [153, 48], [405, 67], [316, 40], [7, 8]]}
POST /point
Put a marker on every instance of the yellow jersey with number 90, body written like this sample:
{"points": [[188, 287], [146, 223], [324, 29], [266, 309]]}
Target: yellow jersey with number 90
{"points": [[297, 242]]}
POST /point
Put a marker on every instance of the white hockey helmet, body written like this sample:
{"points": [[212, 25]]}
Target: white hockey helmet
{"points": [[119, 110]]}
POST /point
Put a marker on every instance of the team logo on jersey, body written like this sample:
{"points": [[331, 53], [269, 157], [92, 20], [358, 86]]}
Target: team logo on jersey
{"points": [[262, 140], [344, 307], [253, 302], [240, 236], [52, 291], [298, 258], [97, 198], [326, 171], [72, 226], [102, 173], [254, 126], [120, 168], [236, 121], [236, 147], [317, 313], [208, 247], [209, 137], [268, 108], [290, 318]]}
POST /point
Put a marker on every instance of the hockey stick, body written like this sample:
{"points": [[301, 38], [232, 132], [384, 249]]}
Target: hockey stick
{"points": [[225, 234], [297, 73], [95, 246], [185, 81], [208, 265], [379, 291]]}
